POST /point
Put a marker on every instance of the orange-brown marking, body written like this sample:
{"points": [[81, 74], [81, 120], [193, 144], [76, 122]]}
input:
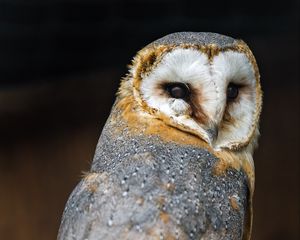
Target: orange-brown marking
{"points": [[91, 182], [164, 217], [170, 187], [161, 200], [140, 201], [233, 202], [196, 100]]}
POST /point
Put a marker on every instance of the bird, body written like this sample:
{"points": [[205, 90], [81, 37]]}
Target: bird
{"points": [[175, 157]]}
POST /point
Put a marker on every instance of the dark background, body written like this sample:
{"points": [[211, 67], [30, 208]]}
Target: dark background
{"points": [[60, 65]]}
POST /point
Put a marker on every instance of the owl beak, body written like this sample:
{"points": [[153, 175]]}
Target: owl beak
{"points": [[213, 132]]}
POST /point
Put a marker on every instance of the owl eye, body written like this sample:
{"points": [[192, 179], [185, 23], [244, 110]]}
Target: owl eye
{"points": [[232, 91], [178, 90]]}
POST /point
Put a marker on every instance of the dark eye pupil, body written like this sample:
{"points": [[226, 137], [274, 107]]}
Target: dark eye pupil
{"points": [[232, 91], [178, 90]]}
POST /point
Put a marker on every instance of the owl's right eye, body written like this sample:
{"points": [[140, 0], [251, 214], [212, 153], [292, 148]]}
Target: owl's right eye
{"points": [[232, 91], [178, 90]]}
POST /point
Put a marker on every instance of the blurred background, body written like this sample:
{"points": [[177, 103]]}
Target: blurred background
{"points": [[60, 65]]}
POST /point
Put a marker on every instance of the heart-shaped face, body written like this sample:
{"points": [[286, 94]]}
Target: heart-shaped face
{"points": [[214, 96]]}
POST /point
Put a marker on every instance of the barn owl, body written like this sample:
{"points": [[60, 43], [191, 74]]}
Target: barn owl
{"points": [[174, 160]]}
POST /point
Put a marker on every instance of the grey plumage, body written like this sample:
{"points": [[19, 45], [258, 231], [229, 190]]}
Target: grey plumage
{"points": [[196, 38], [141, 179]]}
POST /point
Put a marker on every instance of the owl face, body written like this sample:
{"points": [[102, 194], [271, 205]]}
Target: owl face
{"points": [[212, 94]]}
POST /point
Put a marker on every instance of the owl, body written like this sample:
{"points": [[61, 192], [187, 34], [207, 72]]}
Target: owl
{"points": [[174, 160]]}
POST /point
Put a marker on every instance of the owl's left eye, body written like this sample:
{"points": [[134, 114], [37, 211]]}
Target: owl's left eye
{"points": [[178, 90]]}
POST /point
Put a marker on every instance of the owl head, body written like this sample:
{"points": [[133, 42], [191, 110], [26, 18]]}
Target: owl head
{"points": [[204, 84]]}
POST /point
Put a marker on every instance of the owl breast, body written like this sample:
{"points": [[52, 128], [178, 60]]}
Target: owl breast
{"points": [[146, 188]]}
